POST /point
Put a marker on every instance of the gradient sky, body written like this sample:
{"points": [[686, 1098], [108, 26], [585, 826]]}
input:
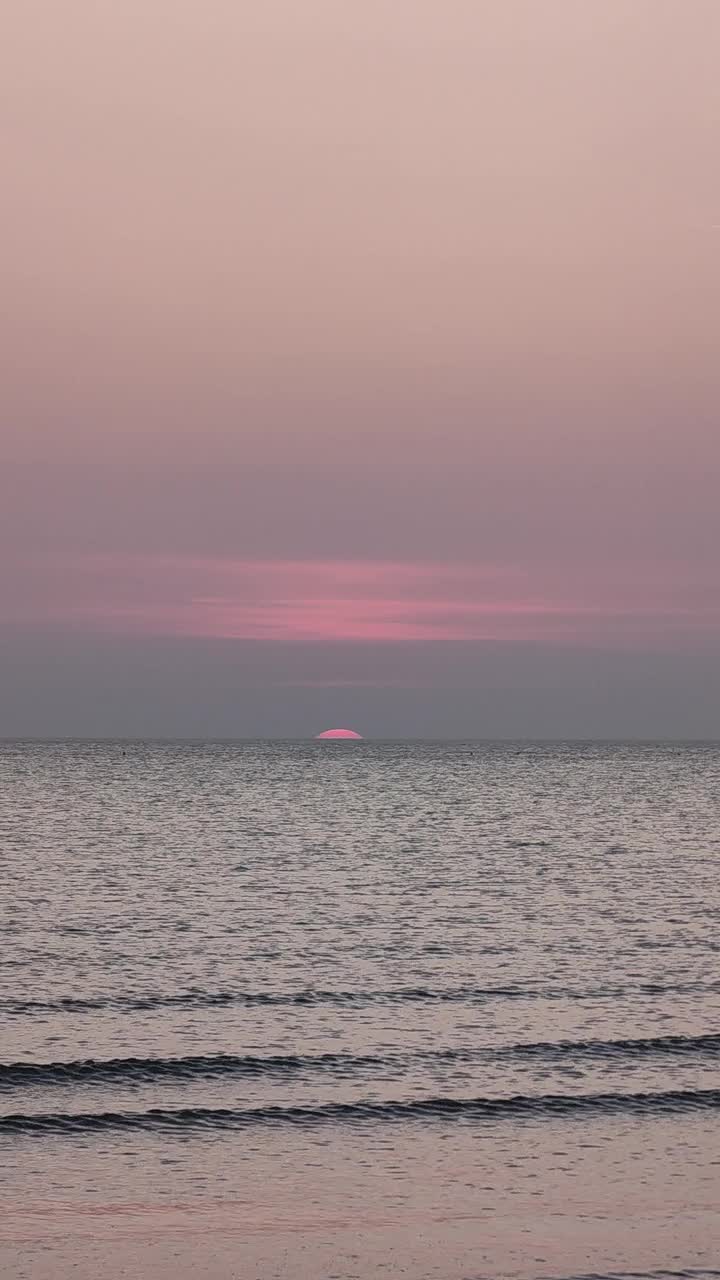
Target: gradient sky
{"points": [[360, 365]]}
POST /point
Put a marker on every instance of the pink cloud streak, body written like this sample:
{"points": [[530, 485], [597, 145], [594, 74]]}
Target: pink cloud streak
{"points": [[311, 602]]}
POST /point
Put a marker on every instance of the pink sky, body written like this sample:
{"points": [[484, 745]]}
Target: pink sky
{"points": [[380, 602], [391, 326]]}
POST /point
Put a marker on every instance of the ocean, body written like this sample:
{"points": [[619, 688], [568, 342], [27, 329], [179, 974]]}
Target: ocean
{"points": [[354, 1009]]}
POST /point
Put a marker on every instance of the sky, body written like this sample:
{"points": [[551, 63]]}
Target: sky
{"points": [[359, 366]]}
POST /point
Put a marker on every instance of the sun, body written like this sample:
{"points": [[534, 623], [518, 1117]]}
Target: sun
{"points": [[347, 734]]}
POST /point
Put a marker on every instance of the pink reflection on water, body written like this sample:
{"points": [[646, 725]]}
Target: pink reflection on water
{"points": [[340, 733]]}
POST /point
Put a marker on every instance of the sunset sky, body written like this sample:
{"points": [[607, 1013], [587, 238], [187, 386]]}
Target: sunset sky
{"points": [[360, 364]]}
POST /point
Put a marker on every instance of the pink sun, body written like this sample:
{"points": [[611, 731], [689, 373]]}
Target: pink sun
{"points": [[340, 733]]}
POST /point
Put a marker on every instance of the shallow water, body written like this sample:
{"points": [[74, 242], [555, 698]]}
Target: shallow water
{"points": [[356, 1009]]}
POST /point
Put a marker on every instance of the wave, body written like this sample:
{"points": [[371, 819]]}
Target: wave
{"points": [[685, 1273], [254, 999], [543, 1106], [90, 1071], [195, 999], [94, 1071], [640, 1047]]}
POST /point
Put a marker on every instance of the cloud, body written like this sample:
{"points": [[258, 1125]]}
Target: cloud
{"points": [[308, 602]]}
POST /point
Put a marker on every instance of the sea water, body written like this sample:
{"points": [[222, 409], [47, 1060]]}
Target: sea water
{"points": [[359, 1009]]}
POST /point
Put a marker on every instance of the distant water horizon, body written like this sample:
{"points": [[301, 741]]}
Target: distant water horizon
{"points": [[220, 739]]}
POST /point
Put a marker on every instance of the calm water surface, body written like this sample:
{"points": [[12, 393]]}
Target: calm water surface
{"points": [[356, 1010]]}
